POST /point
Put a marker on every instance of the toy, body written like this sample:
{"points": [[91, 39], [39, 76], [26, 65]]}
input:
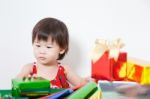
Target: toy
{"points": [[30, 87], [86, 92], [109, 63]]}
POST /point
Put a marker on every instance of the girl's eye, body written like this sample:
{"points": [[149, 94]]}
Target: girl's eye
{"points": [[49, 47], [38, 46]]}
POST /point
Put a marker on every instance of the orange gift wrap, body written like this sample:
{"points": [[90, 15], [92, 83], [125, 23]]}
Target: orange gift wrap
{"points": [[138, 71]]}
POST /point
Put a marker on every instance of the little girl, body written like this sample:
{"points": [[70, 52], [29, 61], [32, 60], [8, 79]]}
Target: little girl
{"points": [[50, 40]]}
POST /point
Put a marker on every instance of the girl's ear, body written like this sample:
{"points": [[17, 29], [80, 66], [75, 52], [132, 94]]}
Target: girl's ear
{"points": [[62, 51]]}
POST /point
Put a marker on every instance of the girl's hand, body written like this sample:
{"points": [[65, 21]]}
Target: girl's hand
{"points": [[88, 79]]}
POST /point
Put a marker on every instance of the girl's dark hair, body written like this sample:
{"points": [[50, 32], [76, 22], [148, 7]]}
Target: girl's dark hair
{"points": [[54, 28]]}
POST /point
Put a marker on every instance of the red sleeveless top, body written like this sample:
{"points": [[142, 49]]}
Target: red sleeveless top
{"points": [[60, 80]]}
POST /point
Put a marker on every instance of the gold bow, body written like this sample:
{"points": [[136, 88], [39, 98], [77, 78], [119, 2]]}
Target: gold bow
{"points": [[102, 45]]}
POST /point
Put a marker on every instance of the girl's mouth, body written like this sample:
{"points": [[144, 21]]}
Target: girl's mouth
{"points": [[42, 58]]}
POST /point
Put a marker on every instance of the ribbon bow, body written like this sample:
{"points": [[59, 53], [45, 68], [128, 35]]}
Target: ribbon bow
{"points": [[101, 46]]}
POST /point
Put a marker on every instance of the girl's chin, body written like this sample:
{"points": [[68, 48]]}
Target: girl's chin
{"points": [[46, 62], [42, 62]]}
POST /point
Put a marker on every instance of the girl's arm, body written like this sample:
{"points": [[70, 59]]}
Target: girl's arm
{"points": [[25, 72], [73, 78]]}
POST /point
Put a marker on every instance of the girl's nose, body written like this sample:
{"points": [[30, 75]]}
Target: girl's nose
{"points": [[42, 50]]}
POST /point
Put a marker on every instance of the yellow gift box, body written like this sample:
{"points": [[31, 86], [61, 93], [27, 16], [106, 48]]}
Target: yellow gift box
{"points": [[138, 70]]}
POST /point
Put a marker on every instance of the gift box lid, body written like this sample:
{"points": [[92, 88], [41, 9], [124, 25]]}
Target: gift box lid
{"points": [[33, 83]]}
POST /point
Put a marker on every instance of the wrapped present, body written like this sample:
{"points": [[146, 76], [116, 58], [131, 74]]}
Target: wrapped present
{"points": [[107, 60], [138, 71], [59, 95], [90, 91], [86, 92], [109, 63], [97, 94], [30, 87], [62, 94], [111, 86]]}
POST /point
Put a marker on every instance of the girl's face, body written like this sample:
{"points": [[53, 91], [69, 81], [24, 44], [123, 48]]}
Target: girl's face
{"points": [[46, 52]]}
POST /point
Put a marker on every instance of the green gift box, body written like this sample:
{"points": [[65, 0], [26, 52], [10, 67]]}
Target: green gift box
{"points": [[30, 87], [84, 92]]}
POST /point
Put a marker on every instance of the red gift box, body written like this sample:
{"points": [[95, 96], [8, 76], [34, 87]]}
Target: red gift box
{"points": [[106, 68]]}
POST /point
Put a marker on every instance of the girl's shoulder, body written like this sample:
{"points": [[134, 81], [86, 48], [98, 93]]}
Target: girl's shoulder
{"points": [[66, 68]]}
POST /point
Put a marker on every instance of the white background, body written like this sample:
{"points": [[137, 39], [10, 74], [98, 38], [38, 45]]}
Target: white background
{"points": [[86, 21]]}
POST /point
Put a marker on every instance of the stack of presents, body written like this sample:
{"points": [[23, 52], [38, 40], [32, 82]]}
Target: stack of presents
{"points": [[34, 88], [111, 64]]}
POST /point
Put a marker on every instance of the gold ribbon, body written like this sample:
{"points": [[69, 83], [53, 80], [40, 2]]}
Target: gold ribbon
{"points": [[99, 49], [102, 45]]}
